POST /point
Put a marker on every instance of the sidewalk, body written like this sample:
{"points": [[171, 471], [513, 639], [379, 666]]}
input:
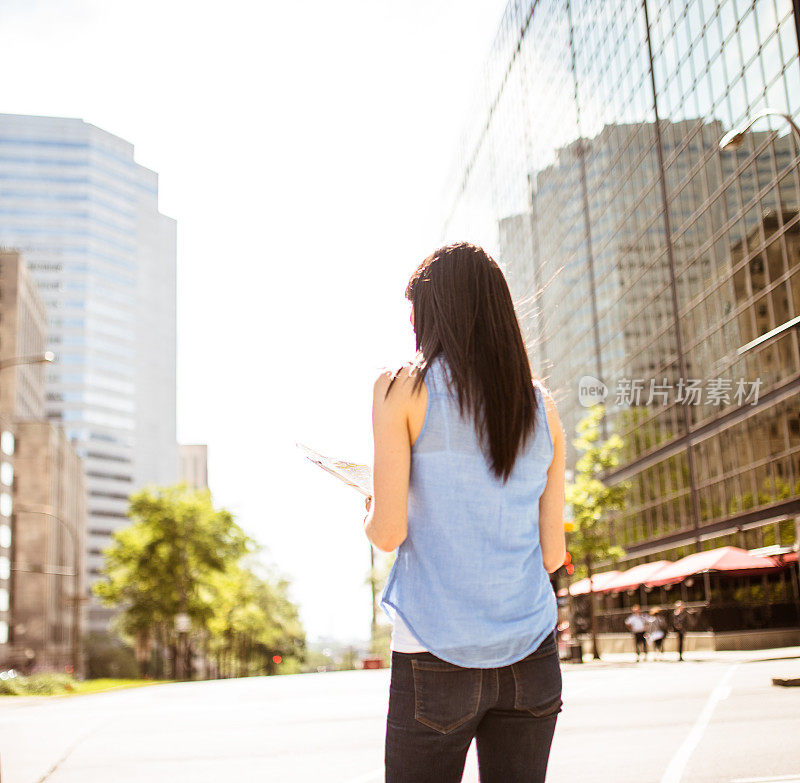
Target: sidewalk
{"points": [[701, 656]]}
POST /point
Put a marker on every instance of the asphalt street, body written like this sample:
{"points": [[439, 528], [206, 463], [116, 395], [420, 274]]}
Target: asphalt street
{"points": [[715, 718]]}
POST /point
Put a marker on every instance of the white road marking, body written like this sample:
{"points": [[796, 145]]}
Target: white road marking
{"points": [[674, 771]]}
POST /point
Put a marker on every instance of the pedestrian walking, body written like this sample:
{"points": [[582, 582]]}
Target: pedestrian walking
{"points": [[656, 632], [469, 488], [636, 624], [680, 619]]}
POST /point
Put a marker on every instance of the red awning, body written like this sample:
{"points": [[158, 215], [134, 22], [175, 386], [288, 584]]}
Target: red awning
{"points": [[730, 559], [635, 577], [599, 581]]}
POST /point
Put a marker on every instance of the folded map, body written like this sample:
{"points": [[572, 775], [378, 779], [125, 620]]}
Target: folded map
{"points": [[354, 475]]}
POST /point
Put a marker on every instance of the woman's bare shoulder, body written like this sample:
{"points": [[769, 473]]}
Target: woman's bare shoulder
{"points": [[553, 419], [400, 381], [540, 384]]}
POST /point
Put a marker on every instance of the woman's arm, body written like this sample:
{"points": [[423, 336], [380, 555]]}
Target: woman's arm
{"points": [[386, 523], [551, 503]]}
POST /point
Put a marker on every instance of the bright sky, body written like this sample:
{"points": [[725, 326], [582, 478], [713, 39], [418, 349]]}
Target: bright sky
{"points": [[302, 148]]}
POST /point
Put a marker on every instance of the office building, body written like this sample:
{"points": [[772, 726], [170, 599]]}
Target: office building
{"points": [[636, 248], [42, 497], [617, 256], [49, 596], [22, 335], [22, 340], [85, 215], [193, 465]]}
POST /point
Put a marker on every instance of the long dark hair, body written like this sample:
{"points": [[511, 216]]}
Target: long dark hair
{"points": [[463, 310]]}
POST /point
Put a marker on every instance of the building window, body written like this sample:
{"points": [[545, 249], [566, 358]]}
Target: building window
{"points": [[7, 473], [3, 599], [7, 442], [5, 567], [97, 531], [5, 536], [3, 631], [6, 506]]}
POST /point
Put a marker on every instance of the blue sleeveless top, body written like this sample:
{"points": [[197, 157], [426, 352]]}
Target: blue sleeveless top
{"points": [[468, 580]]}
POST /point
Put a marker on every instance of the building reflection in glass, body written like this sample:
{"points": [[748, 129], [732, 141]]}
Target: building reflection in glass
{"points": [[637, 249]]}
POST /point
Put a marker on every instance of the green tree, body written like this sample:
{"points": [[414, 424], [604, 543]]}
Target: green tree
{"points": [[108, 656], [253, 622], [182, 556], [593, 502]]}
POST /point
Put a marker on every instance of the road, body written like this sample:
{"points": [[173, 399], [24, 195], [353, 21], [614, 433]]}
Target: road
{"points": [[712, 719]]}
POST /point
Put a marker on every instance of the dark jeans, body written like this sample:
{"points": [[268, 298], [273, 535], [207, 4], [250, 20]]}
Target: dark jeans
{"points": [[640, 642], [436, 708]]}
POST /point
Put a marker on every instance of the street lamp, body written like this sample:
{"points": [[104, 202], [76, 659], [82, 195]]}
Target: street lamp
{"points": [[732, 141], [76, 641], [735, 138], [768, 336], [40, 358]]}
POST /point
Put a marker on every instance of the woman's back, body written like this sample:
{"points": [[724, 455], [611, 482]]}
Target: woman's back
{"points": [[469, 581]]}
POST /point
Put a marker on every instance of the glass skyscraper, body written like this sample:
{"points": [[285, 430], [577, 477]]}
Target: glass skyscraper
{"points": [[643, 255], [85, 215]]}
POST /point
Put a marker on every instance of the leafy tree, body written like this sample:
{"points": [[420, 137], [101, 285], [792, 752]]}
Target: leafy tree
{"points": [[108, 656], [593, 502], [253, 621], [182, 556]]}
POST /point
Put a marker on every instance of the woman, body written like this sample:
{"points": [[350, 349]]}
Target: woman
{"points": [[469, 487]]}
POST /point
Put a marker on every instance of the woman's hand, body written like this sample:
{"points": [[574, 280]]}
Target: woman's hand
{"points": [[368, 505]]}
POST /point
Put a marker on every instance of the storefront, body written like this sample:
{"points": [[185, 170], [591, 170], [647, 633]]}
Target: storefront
{"points": [[735, 599]]}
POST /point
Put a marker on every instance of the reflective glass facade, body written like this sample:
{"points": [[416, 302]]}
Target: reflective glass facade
{"points": [[85, 216], [641, 254]]}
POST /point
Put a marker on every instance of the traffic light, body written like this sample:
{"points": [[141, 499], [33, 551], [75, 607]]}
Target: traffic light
{"points": [[569, 527], [276, 659], [568, 564]]}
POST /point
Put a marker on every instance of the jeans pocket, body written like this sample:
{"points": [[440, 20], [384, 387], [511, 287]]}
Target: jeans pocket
{"points": [[446, 696], [537, 682]]}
